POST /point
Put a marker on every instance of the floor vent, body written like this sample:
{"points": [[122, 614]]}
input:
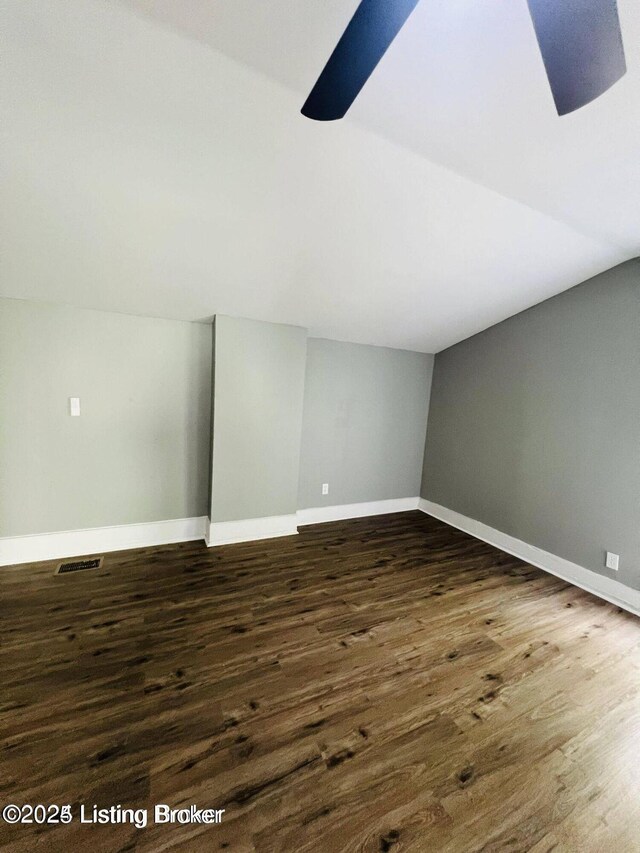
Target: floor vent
{"points": [[79, 566]]}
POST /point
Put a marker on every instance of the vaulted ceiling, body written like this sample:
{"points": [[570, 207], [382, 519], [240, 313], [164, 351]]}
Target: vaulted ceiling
{"points": [[155, 162]]}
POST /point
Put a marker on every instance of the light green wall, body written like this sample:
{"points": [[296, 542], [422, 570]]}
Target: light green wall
{"points": [[365, 416], [141, 449], [139, 452], [259, 387], [534, 425]]}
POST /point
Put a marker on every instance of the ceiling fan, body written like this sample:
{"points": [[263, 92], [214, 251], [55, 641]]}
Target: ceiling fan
{"points": [[580, 42]]}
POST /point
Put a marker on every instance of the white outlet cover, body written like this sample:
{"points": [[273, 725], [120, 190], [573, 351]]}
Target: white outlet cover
{"points": [[74, 407], [325, 488], [612, 561]]}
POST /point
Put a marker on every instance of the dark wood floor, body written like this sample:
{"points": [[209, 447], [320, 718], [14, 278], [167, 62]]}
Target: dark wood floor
{"points": [[383, 684]]}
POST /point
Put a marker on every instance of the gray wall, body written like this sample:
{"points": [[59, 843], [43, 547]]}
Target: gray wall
{"points": [[139, 451], [534, 425], [364, 423], [257, 415]]}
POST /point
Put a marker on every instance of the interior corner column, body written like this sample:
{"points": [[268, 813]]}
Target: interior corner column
{"points": [[258, 389]]}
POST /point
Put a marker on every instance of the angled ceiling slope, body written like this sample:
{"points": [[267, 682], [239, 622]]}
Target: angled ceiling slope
{"points": [[156, 163]]}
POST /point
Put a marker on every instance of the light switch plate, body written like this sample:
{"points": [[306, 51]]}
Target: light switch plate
{"points": [[612, 561], [74, 407]]}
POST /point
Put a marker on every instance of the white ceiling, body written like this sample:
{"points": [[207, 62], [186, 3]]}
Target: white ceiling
{"points": [[155, 162]]}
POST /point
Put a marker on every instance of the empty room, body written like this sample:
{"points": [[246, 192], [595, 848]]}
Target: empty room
{"points": [[320, 426]]}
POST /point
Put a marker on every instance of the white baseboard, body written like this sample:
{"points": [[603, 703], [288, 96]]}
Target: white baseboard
{"points": [[250, 529], [604, 587], [97, 540], [319, 514]]}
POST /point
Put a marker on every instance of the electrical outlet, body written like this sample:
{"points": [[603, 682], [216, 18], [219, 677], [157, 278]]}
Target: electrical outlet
{"points": [[325, 488], [612, 561], [74, 407]]}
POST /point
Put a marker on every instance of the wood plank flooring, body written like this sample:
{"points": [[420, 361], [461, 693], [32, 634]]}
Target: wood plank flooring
{"points": [[384, 684]]}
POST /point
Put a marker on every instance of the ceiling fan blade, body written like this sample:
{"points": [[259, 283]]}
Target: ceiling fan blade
{"points": [[581, 46], [373, 27]]}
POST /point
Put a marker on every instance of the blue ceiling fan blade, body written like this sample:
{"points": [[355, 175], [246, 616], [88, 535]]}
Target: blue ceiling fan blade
{"points": [[373, 27], [581, 46]]}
